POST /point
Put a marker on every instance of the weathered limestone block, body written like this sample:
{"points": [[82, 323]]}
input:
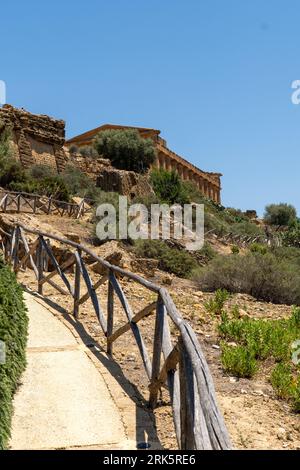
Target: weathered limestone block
{"points": [[25, 153], [91, 167], [127, 183]]}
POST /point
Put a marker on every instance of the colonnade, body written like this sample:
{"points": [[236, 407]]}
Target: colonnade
{"points": [[203, 181]]}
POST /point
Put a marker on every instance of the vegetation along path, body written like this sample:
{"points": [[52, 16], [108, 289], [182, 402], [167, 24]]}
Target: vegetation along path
{"points": [[71, 396]]}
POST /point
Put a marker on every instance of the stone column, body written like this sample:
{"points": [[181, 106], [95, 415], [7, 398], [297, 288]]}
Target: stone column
{"points": [[168, 164]]}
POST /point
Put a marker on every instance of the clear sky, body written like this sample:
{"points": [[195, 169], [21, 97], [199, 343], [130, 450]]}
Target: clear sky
{"points": [[213, 75]]}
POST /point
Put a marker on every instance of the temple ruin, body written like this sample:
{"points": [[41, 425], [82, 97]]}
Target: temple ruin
{"points": [[40, 139], [36, 138], [208, 184]]}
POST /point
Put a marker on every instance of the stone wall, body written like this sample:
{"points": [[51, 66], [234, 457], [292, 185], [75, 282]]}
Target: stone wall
{"points": [[37, 139]]}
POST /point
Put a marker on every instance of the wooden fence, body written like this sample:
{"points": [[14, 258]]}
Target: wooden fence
{"points": [[243, 241], [36, 204], [177, 360]]}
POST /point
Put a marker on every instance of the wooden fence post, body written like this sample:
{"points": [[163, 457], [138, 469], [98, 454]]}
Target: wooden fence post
{"points": [[110, 313], [49, 205], [15, 253], [18, 202], [77, 286], [187, 401], [40, 262], [157, 348]]}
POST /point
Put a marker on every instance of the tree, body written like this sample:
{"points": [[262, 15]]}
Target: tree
{"points": [[280, 214], [168, 187], [126, 149]]}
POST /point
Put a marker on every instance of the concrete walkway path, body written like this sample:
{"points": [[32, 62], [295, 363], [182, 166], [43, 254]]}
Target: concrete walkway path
{"points": [[67, 399]]}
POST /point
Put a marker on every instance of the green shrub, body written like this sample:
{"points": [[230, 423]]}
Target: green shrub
{"points": [[286, 385], [235, 250], [292, 236], [11, 172], [52, 186], [170, 259], [280, 214], [296, 395], [126, 149], [245, 228], [77, 182], [73, 149], [238, 360], [263, 276], [215, 223], [264, 338], [281, 380], [13, 332], [147, 201], [38, 172], [88, 151], [207, 252], [216, 304], [168, 187], [258, 248]]}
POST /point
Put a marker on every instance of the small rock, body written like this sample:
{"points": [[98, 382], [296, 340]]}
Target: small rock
{"points": [[232, 343], [281, 433], [233, 380], [215, 346], [243, 391]]}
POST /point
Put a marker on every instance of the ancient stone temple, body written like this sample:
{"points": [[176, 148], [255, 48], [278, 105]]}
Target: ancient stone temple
{"points": [[208, 183], [37, 139]]}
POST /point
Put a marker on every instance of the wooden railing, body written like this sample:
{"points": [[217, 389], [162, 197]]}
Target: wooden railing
{"points": [[183, 370], [34, 203], [274, 239]]}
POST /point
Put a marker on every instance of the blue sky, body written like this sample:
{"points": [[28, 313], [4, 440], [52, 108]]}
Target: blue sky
{"points": [[213, 75]]}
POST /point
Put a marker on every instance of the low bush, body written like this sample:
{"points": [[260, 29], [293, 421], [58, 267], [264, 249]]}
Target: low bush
{"points": [[38, 172], [238, 360], [258, 248], [179, 262], [259, 340], [207, 252], [88, 151], [77, 182], [235, 250], [266, 277], [52, 186], [13, 333], [216, 304], [281, 380]]}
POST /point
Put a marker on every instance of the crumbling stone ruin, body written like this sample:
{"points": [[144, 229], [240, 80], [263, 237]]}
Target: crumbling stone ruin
{"points": [[123, 182], [36, 139]]}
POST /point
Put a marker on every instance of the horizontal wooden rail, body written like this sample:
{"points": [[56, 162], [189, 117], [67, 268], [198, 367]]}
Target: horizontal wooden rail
{"points": [[183, 370], [11, 201]]}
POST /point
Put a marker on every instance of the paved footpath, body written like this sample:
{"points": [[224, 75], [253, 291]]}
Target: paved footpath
{"points": [[69, 398]]}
